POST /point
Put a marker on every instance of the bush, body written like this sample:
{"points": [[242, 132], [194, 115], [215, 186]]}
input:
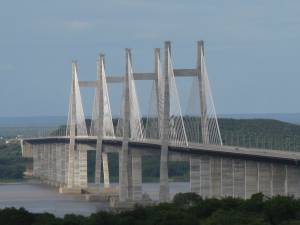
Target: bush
{"points": [[186, 209]]}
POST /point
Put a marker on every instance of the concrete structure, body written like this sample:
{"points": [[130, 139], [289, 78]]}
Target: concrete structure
{"points": [[215, 170]]}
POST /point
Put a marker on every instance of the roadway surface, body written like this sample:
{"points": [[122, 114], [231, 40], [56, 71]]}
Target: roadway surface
{"points": [[192, 148]]}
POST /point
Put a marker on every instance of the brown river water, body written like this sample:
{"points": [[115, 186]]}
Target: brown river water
{"points": [[36, 197]]}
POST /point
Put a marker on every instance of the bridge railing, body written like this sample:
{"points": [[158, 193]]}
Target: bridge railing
{"points": [[248, 140]]}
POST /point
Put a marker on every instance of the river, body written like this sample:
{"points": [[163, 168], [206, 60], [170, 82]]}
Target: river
{"points": [[37, 198]]}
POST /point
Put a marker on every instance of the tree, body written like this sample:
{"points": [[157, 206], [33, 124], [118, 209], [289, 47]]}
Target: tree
{"points": [[280, 208], [13, 216]]}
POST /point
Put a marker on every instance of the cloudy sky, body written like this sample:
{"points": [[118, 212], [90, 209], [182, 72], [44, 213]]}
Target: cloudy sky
{"points": [[252, 49]]}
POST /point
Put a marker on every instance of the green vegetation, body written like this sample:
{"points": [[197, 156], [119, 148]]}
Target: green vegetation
{"points": [[260, 133], [186, 209], [12, 165]]}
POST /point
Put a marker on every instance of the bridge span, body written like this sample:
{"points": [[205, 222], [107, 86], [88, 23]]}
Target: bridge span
{"points": [[216, 170]]}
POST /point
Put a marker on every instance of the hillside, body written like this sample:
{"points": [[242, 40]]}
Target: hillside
{"points": [[268, 127], [260, 133]]}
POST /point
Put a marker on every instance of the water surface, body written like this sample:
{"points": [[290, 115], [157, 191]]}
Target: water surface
{"points": [[39, 198]]}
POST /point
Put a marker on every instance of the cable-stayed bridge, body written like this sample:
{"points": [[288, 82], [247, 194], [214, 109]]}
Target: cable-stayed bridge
{"points": [[216, 170]]}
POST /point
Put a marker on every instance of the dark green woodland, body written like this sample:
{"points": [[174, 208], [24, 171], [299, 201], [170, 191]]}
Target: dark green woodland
{"points": [[186, 209]]}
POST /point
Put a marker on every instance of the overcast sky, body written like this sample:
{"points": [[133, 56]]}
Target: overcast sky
{"points": [[252, 49]]}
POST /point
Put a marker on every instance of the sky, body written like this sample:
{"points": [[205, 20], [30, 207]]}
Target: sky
{"points": [[252, 49]]}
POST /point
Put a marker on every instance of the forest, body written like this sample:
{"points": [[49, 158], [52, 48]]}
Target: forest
{"points": [[12, 165], [185, 209]]}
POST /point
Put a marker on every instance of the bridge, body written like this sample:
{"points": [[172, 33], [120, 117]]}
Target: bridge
{"points": [[216, 170]]}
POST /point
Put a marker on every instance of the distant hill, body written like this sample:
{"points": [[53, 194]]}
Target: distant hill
{"points": [[286, 117], [58, 120], [259, 126], [260, 133], [32, 121]]}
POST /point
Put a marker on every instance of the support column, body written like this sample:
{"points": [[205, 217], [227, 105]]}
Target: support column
{"points": [[265, 178], [293, 180], [279, 178], [130, 176], [239, 178], [45, 163], [49, 160], [205, 176], [203, 105], [64, 163], [123, 176], [58, 153], [164, 192], [53, 162], [76, 166], [105, 170], [83, 183], [39, 160], [99, 122], [216, 173], [195, 174], [227, 177], [251, 178], [35, 159], [42, 176], [136, 162]]}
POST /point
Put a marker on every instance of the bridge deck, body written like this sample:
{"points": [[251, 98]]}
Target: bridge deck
{"points": [[193, 148]]}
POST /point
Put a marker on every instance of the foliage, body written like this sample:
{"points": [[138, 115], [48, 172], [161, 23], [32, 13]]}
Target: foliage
{"points": [[186, 209], [12, 165], [260, 133]]}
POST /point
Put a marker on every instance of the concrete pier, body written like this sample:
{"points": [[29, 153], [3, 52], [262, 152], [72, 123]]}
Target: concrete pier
{"points": [[251, 178], [105, 170], [210, 175], [216, 173], [136, 162], [164, 192], [239, 188], [227, 177], [265, 178]]}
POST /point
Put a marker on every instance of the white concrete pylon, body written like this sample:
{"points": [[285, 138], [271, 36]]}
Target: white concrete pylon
{"points": [[209, 122], [102, 125], [76, 116], [108, 128], [76, 124], [136, 126], [164, 191], [123, 155]]}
